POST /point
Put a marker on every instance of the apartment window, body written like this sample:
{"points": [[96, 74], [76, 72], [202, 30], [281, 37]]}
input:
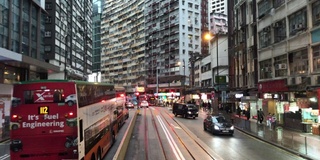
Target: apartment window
{"points": [[298, 62], [279, 31], [298, 21], [48, 6], [316, 58], [263, 7], [47, 48], [47, 34], [266, 69], [278, 3], [206, 68], [316, 13], [280, 67], [190, 5], [48, 20], [265, 37]]}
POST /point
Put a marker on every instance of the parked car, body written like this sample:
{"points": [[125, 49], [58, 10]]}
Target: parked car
{"points": [[217, 124], [144, 104], [71, 99], [129, 105], [185, 110]]}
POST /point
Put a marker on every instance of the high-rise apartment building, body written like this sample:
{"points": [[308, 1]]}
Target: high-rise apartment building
{"points": [[22, 34], [173, 35], [123, 43], [68, 38], [218, 6], [151, 46]]}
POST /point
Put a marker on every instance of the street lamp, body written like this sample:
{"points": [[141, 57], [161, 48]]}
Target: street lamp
{"points": [[209, 37], [183, 81]]}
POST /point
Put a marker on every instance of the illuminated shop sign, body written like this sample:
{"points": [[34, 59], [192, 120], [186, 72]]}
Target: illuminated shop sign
{"points": [[238, 95], [140, 89]]}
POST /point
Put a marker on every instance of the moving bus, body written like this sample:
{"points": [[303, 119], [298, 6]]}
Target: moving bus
{"points": [[151, 99], [122, 112], [63, 119]]}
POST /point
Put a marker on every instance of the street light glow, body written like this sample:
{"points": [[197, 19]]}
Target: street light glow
{"points": [[208, 36]]}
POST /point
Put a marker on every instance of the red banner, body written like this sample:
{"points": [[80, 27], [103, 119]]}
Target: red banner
{"points": [[273, 86]]}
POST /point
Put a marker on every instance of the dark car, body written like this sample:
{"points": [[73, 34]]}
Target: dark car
{"points": [[185, 110], [129, 105], [218, 125]]}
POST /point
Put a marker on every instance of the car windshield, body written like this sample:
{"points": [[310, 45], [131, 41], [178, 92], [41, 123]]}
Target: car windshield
{"points": [[219, 119]]}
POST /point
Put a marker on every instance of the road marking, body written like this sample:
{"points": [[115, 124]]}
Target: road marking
{"points": [[171, 141], [175, 126], [3, 157]]}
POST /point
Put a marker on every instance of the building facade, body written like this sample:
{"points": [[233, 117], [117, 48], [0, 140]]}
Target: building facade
{"points": [[273, 51], [68, 38], [22, 49], [123, 44], [288, 52], [96, 37]]}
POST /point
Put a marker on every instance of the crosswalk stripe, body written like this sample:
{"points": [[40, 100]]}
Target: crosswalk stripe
{"points": [[3, 157]]}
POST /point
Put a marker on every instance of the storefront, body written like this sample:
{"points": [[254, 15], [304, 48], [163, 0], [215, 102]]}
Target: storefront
{"points": [[273, 98], [250, 103]]}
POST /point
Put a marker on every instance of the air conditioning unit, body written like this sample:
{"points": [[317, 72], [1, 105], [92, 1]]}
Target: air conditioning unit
{"points": [[297, 26], [281, 66]]}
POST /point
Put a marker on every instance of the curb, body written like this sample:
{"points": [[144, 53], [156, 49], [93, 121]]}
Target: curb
{"points": [[122, 149], [3, 140], [274, 144]]}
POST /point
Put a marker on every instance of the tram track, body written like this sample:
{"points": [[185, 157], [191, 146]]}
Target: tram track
{"points": [[159, 136], [182, 140]]}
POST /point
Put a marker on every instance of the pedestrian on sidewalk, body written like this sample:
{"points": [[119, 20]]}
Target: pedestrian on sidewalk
{"points": [[260, 116], [209, 107], [248, 114], [273, 121], [239, 111], [269, 119]]}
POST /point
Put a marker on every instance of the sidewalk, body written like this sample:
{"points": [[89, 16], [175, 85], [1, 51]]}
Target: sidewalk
{"points": [[305, 145], [4, 135]]}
